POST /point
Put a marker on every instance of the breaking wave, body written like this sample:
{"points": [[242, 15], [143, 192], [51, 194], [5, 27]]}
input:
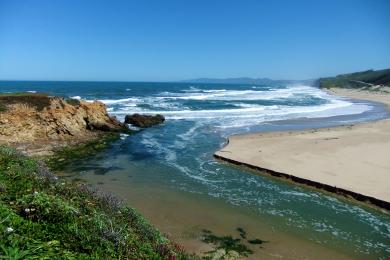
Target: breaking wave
{"points": [[242, 107]]}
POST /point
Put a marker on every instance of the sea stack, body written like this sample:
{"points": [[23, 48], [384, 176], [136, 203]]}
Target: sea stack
{"points": [[144, 121]]}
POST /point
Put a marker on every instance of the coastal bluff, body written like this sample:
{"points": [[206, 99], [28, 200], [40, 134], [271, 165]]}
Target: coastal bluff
{"points": [[37, 124]]}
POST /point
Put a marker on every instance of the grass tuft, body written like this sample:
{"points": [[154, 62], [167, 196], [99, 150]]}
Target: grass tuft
{"points": [[36, 100], [3, 107], [73, 102]]}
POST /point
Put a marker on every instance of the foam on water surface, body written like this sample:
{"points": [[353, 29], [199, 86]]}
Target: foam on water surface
{"points": [[238, 108]]}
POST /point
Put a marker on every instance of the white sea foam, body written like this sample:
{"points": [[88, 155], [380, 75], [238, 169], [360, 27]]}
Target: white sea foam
{"points": [[123, 136], [223, 94], [170, 104], [154, 145], [189, 173], [214, 90], [335, 107], [296, 193], [190, 133], [119, 101], [192, 89], [76, 97]]}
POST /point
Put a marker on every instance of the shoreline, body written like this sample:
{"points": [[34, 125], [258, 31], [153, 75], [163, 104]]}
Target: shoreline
{"points": [[347, 160]]}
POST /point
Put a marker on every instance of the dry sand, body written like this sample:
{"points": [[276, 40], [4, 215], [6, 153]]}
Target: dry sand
{"points": [[354, 159]]}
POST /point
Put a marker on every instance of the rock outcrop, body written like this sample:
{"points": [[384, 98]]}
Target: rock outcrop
{"points": [[144, 121], [41, 122]]}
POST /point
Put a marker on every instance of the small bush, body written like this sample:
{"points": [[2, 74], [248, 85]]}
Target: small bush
{"points": [[42, 206], [3, 107], [73, 101]]}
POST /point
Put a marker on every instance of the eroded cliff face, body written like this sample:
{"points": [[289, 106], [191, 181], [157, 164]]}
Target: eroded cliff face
{"points": [[38, 124]]}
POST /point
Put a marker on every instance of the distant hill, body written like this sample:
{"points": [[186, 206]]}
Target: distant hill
{"points": [[369, 79], [244, 80]]}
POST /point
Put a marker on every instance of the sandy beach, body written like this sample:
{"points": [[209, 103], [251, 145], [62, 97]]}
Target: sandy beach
{"points": [[353, 160]]}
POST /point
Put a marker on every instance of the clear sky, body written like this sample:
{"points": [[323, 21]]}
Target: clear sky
{"points": [[173, 40]]}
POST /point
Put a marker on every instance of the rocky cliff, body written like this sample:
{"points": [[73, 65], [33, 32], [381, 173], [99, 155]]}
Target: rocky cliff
{"points": [[38, 123]]}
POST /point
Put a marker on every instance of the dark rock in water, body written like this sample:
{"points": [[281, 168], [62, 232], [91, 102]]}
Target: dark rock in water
{"points": [[144, 121]]}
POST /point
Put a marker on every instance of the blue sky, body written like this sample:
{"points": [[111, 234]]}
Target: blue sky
{"points": [[173, 40]]}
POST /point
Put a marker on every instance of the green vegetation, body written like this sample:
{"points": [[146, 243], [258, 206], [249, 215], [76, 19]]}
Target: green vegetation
{"points": [[230, 243], [256, 241], [242, 232], [73, 101], [3, 107], [73, 153], [37, 100], [43, 217], [364, 79]]}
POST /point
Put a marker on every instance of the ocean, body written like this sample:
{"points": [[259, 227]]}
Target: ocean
{"points": [[169, 174]]}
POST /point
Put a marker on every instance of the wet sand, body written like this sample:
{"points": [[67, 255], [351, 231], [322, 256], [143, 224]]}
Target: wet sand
{"points": [[351, 159]]}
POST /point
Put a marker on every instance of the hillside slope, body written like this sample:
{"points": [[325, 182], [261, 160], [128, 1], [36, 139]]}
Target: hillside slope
{"points": [[375, 80], [44, 217]]}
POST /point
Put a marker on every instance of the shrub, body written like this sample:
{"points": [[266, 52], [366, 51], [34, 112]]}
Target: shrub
{"points": [[73, 101], [3, 107]]}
